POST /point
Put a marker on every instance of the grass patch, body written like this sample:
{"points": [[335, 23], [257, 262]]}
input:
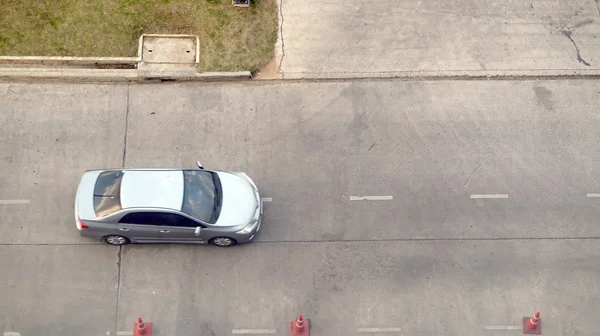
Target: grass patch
{"points": [[231, 39]]}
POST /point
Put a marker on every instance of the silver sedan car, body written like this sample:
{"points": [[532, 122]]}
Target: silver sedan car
{"points": [[198, 206]]}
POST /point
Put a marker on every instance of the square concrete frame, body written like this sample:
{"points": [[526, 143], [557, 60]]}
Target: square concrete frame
{"points": [[169, 36]]}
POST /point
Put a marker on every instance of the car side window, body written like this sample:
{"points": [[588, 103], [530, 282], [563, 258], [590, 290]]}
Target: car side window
{"points": [[168, 219], [141, 218]]}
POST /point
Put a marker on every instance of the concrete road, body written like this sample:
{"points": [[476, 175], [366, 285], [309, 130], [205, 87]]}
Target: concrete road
{"points": [[354, 38], [397, 208], [53, 282]]}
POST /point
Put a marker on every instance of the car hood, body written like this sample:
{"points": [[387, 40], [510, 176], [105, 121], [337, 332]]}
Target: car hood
{"points": [[239, 200]]}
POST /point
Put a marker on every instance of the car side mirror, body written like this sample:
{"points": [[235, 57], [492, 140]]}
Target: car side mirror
{"points": [[199, 164], [197, 231]]}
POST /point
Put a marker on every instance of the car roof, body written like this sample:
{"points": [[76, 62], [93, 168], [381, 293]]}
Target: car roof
{"points": [[152, 189]]}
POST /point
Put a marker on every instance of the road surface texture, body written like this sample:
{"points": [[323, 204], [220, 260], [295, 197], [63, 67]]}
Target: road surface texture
{"points": [[389, 38], [396, 207]]}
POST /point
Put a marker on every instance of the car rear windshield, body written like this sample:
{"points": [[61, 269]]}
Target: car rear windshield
{"points": [[107, 193], [202, 195]]}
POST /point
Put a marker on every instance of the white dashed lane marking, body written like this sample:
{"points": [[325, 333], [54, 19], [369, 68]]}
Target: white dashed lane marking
{"points": [[15, 201], [503, 327], [371, 198], [262, 202], [489, 196], [253, 331], [378, 330]]}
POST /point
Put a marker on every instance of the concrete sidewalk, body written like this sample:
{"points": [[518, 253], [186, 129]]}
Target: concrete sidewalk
{"points": [[383, 38]]}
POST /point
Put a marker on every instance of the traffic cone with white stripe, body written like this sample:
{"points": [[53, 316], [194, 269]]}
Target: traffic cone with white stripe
{"points": [[142, 328], [532, 325], [299, 327]]}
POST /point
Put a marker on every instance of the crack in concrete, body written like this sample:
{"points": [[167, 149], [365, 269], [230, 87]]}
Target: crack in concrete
{"points": [[118, 287], [50, 244], [583, 23], [598, 6], [376, 77], [568, 34], [281, 36], [118, 284], [126, 126], [475, 169], [391, 240]]}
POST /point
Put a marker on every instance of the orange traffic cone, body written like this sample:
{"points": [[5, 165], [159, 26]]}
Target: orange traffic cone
{"points": [[142, 328], [300, 327], [532, 325]]}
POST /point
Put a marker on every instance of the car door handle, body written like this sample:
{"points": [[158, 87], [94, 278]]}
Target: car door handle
{"points": [[164, 231], [124, 229]]}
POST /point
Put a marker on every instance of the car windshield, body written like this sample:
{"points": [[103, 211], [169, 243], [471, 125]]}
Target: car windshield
{"points": [[107, 193], [202, 195]]}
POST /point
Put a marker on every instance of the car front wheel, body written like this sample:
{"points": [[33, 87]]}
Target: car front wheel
{"points": [[223, 241], [116, 240]]}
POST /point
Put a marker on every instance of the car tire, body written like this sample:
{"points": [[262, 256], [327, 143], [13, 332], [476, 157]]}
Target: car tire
{"points": [[223, 241], [116, 240]]}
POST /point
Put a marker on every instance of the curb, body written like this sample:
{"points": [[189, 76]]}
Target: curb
{"points": [[194, 76], [447, 74], [116, 75]]}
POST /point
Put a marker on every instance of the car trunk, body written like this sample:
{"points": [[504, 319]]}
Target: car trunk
{"points": [[84, 204]]}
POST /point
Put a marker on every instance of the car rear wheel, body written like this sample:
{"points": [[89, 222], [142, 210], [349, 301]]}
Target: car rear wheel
{"points": [[223, 241], [116, 240]]}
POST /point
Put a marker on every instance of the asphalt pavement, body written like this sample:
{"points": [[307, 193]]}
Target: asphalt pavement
{"points": [[391, 207]]}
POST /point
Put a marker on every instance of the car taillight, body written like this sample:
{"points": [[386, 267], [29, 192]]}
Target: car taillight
{"points": [[83, 226]]}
